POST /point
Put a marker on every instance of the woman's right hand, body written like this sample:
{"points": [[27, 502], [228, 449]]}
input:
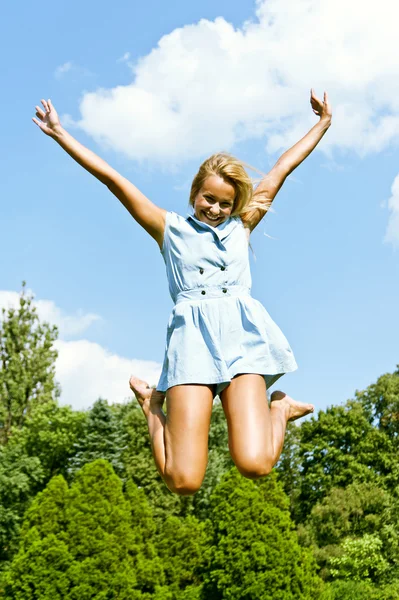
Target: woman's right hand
{"points": [[47, 119]]}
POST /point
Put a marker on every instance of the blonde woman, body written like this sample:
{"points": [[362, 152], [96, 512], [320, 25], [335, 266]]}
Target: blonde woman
{"points": [[219, 339]]}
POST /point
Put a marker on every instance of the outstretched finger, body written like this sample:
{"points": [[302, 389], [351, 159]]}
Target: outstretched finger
{"points": [[315, 100], [38, 123], [45, 105], [39, 112]]}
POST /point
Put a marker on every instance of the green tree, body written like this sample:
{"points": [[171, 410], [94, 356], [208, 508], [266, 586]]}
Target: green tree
{"points": [[354, 512], [358, 441], [21, 476], [102, 437], [289, 465], [381, 400], [356, 590], [143, 552], [361, 559], [40, 568], [340, 446], [51, 434], [27, 365], [33, 454], [83, 543], [255, 551], [100, 536], [182, 544]]}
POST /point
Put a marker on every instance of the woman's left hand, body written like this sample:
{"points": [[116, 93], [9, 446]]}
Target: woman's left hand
{"points": [[321, 109]]}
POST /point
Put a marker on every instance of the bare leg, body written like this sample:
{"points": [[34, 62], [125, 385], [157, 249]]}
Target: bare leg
{"points": [[179, 439], [283, 409], [256, 433], [151, 403]]}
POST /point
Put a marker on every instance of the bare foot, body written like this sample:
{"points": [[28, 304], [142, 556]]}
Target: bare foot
{"points": [[293, 409], [146, 396]]}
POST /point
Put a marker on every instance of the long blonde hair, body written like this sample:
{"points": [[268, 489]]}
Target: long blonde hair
{"points": [[232, 171]]}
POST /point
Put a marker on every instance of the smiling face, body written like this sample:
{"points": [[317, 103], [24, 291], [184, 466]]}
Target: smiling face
{"points": [[214, 202]]}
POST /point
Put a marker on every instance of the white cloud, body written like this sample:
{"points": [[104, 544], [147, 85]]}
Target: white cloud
{"points": [[62, 69], [70, 67], [392, 232], [68, 325], [124, 58], [86, 370], [207, 85]]}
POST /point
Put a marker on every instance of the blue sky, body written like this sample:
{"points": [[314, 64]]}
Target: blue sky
{"points": [[154, 91]]}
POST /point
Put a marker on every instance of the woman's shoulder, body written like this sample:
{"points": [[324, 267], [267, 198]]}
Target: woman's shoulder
{"points": [[173, 217], [175, 224]]}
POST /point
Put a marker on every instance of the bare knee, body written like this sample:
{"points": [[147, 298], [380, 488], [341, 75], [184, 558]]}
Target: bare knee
{"points": [[183, 484], [255, 468]]}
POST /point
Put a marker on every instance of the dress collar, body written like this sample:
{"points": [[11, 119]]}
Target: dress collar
{"points": [[221, 232]]}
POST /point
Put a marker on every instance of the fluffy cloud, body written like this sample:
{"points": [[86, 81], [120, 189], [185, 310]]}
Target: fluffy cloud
{"points": [[392, 233], [85, 369], [208, 85], [68, 325]]}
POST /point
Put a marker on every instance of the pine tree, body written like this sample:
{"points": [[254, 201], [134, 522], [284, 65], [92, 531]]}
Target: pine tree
{"points": [[255, 551], [182, 544], [99, 535], [86, 543], [103, 438], [40, 568], [143, 552], [36, 435]]}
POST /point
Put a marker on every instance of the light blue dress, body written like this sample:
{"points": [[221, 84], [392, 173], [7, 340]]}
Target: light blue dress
{"points": [[216, 329]]}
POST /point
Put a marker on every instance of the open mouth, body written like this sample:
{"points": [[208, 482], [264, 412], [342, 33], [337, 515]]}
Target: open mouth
{"points": [[212, 218]]}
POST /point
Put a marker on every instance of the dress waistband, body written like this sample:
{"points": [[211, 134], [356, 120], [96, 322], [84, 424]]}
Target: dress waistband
{"points": [[211, 292]]}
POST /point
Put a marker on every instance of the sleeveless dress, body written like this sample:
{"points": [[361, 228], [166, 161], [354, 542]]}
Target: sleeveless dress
{"points": [[216, 329]]}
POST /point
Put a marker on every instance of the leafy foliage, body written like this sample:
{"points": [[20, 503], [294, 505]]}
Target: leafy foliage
{"points": [[102, 437], [83, 543], [106, 536], [27, 365], [353, 513], [20, 479], [189, 538], [339, 447], [361, 559], [255, 552]]}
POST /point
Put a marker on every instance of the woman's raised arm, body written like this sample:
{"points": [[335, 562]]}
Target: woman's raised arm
{"points": [[272, 182], [147, 214]]}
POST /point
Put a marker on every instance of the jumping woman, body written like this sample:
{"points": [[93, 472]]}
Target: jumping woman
{"points": [[219, 339]]}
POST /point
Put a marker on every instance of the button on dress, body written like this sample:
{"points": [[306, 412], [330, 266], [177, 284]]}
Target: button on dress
{"points": [[216, 329]]}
